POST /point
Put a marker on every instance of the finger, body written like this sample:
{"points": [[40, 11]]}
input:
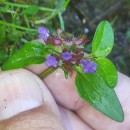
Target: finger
{"points": [[37, 68], [26, 103], [62, 89], [65, 93], [75, 123]]}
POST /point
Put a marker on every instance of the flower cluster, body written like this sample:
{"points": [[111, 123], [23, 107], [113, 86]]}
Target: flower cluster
{"points": [[71, 50]]}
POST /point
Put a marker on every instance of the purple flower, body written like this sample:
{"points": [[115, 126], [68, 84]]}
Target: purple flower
{"points": [[43, 33], [51, 61], [84, 62], [66, 55], [43, 30], [88, 66]]}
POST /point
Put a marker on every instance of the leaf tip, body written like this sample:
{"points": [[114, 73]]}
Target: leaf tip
{"points": [[121, 117]]}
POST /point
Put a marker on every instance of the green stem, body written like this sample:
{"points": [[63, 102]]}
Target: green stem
{"points": [[61, 21], [16, 26], [45, 20], [89, 56], [57, 11], [10, 11], [26, 6], [47, 72], [26, 20]]}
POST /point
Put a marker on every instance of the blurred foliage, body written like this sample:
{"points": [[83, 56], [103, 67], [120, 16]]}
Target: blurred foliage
{"points": [[19, 20], [22, 20]]}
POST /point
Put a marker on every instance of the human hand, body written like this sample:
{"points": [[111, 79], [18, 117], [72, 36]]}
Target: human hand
{"points": [[25, 96], [26, 104], [65, 94]]}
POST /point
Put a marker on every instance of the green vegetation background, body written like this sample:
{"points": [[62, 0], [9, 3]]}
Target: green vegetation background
{"points": [[19, 23]]}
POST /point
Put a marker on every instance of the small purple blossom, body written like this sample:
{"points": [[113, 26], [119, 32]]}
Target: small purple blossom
{"points": [[66, 55], [43, 29], [88, 66], [84, 62], [43, 33], [51, 61]]}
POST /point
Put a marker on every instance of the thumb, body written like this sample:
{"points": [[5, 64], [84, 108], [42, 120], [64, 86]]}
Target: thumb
{"points": [[26, 103]]}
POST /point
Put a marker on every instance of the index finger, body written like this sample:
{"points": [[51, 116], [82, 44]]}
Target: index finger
{"points": [[65, 94]]}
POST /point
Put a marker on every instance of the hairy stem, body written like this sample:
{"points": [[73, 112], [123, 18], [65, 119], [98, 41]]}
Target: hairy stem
{"points": [[47, 72]]}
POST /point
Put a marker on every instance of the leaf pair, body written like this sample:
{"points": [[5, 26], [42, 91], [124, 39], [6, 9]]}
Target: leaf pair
{"points": [[97, 88]]}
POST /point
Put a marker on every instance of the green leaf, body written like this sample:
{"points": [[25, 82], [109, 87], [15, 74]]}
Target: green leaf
{"points": [[93, 89], [103, 40], [107, 71], [2, 35], [32, 9], [29, 53]]}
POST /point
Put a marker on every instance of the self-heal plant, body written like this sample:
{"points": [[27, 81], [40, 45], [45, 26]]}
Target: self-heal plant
{"points": [[96, 76]]}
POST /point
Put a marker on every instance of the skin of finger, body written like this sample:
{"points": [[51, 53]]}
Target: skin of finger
{"points": [[37, 69], [62, 89], [76, 122], [40, 118], [65, 93], [17, 89], [66, 86]]}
